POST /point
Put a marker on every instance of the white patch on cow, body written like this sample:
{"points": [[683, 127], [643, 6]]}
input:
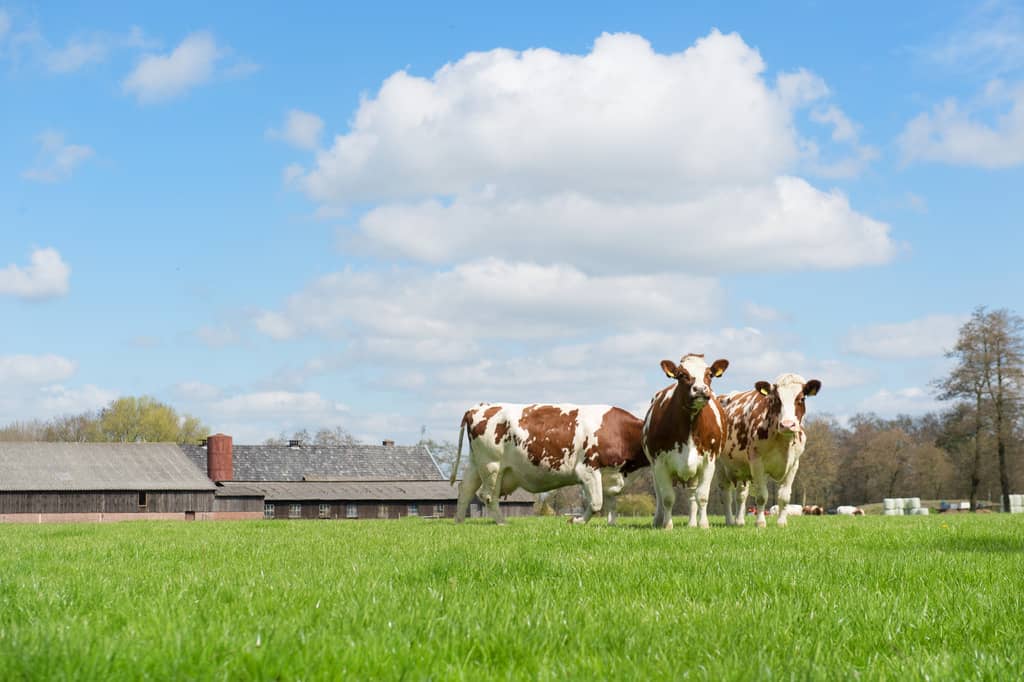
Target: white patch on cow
{"points": [[695, 365], [789, 386]]}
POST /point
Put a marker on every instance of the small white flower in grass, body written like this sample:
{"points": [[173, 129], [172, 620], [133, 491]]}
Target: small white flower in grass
{"points": [[317, 604], [258, 639]]}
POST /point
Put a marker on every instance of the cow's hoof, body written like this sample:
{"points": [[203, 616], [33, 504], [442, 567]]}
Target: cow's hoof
{"points": [[668, 526]]}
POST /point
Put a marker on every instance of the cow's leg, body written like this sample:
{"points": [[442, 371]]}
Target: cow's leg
{"points": [[703, 490], [728, 493], [467, 489], [613, 482], [593, 494], [743, 492], [785, 489], [760, 482], [665, 495], [491, 491], [609, 507], [691, 491]]}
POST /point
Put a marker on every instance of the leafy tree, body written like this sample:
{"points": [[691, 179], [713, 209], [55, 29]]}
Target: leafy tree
{"points": [[323, 436], [145, 420]]}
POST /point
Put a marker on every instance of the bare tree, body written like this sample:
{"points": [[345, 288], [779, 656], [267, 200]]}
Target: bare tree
{"points": [[989, 373]]}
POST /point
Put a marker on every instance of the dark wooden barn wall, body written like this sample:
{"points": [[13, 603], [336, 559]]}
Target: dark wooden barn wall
{"points": [[106, 502]]}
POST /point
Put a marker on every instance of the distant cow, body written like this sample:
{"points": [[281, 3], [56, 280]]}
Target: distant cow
{"points": [[683, 435], [849, 510], [766, 438], [813, 510], [541, 447]]}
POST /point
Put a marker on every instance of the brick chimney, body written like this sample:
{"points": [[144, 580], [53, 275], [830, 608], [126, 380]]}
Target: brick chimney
{"points": [[218, 457], [388, 443]]}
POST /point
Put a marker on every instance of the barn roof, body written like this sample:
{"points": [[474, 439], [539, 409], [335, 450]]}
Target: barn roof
{"points": [[98, 466], [349, 462], [356, 491]]}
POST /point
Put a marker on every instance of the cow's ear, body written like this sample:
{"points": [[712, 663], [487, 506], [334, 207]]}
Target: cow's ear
{"points": [[718, 367], [812, 387], [669, 368], [763, 387]]}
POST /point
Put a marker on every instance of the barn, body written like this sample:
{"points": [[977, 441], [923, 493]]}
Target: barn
{"points": [[352, 481], [42, 482], [49, 482]]}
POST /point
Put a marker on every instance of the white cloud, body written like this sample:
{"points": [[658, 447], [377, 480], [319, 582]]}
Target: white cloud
{"points": [[78, 52], [988, 132], [35, 369], [217, 336], [925, 337], [301, 129], [58, 399], [762, 313], [911, 401], [988, 40], [46, 277], [56, 161], [286, 408], [783, 225], [162, 77], [488, 299], [197, 390], [557, 157]]}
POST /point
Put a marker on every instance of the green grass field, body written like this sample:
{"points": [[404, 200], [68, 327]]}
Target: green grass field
{"points": [[827, 598]]}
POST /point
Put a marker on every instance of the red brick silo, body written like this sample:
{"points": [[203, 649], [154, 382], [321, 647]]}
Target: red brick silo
{"points": [[218, 457]]}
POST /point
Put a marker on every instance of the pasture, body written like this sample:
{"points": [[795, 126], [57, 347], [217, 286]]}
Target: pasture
{"points": [[935, 597]]}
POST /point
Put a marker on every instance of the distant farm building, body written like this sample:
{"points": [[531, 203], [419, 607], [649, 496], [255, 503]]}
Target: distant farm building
{"points": [[100, 482], [43, 482]]}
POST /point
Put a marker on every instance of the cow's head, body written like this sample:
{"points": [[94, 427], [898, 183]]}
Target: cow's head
{"points": [[694, 376], [786, 400]]}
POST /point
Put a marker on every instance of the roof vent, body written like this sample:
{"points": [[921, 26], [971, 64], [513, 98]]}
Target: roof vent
{"points": [[388, 443], [294, 443]]}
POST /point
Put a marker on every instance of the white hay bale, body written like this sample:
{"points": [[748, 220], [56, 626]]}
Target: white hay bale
{"points": [[893, 512], [891, 503], [920, 511], [912, 503]]}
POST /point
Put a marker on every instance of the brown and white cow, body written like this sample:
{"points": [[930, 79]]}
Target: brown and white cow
{"points": [[541, 447], [766, 438], [683, 435]]}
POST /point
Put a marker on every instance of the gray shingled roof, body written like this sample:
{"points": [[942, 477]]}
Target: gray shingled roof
{"points": [[354, 491], [98, 466], [351, 462]]}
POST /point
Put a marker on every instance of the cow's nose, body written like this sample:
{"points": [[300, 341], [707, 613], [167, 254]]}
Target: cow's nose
{"points": [[789, 424], [698, 392]]}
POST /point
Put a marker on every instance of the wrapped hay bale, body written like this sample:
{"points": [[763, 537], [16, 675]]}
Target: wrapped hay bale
{"points": [[890, 503], [919, 511], [893, 512], [912, 503]]}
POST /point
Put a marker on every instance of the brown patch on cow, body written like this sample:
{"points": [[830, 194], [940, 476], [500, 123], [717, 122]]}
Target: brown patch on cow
{"points": [[478, 429], [551, 434], [499, 431], [672, 423], [801, 408], [707, 436], [618, 443]]}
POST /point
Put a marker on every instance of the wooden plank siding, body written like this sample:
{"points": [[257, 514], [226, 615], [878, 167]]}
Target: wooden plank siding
{"points": [[387, 509], [116, 502]]}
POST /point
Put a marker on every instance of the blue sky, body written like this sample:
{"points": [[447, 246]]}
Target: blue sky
{"points": [[374, 217]]}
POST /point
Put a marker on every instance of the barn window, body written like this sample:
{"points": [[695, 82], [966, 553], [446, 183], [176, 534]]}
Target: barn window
{"points": [[414, 509], [295, 511], [351, 512], [438, 510], [325, 511], [142, 498], [268, 510]]}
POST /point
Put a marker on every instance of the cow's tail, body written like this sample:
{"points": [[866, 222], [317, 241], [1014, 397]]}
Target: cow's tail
{"points": [[458, 452]]}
